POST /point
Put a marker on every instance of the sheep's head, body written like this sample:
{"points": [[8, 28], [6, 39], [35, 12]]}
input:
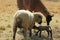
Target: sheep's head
{"points": [[38, 18]]}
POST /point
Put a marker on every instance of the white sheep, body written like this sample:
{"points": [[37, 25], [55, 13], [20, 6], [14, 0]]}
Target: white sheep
{"points": [[26, 20]]}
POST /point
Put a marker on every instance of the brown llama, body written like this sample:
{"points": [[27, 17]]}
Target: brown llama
{"points": [[36, 6]]}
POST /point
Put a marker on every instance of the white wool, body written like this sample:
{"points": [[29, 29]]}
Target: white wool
{"points": [[26, 16], [22, 11], [25, 19]]}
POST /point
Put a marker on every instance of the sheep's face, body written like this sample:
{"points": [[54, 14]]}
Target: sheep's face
{"points": [[40, 20]]}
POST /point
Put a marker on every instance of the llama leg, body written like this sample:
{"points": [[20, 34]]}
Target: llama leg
{"points": [[14, 32]]}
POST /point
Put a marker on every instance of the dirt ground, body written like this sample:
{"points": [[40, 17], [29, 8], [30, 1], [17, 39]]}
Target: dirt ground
{"points": [[9, 7]]}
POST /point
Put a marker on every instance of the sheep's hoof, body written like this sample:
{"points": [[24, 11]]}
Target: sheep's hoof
{"points": [[36, 34], [40, 36], [22, 39], [27, 38]]}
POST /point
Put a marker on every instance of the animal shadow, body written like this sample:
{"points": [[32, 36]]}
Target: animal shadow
{"points": [[35, 37]]}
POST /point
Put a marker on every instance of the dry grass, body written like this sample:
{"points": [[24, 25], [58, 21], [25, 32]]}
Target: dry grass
{"points": [[7, 10]]}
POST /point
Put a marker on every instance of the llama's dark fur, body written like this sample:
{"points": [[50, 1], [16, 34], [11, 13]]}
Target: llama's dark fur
{"points": [[42, 28]]}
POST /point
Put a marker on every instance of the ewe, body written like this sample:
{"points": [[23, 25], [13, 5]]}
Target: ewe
{"points": [[26, 20]]}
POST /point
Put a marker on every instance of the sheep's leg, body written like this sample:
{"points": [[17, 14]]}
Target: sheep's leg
{"points": [[25, 33], [14, 32], [30, 34], [40, 34]]}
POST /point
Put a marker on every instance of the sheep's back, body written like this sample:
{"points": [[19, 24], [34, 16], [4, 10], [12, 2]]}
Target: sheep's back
{"points": [[25, 16]]}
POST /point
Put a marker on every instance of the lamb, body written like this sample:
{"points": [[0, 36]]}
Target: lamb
{"points": [[42, 28], [26, 20]]}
